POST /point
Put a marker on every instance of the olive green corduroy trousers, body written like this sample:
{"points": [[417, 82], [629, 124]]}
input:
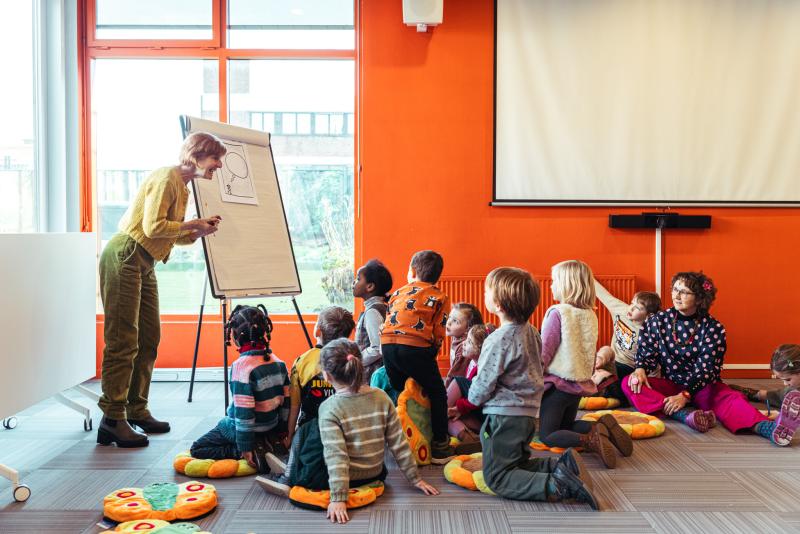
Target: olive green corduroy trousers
{"points": [[132, 327]]}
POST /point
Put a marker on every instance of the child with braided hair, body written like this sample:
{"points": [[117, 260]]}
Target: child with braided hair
{"points": [[259, 385]]}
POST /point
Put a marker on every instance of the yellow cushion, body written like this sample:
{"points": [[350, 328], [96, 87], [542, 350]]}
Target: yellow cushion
{"points": [[598, 403], [195, 468], [466, 471]]}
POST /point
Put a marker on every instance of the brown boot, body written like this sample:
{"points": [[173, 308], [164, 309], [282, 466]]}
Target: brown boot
{"points": [[619, 438], [597, 440], [120, 432], [469, 442], [151, 425]]}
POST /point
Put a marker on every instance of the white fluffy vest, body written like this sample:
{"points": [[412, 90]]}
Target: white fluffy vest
{"points": [[574, 359]]}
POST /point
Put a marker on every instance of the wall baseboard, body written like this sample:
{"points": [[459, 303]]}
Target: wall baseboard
{"points": [[184, 374]]}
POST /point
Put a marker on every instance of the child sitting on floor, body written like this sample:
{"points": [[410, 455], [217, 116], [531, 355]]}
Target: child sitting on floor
{"points": [[785, 366], [373, 282], [466, 418], [308, 388], [463, 316], [355, 427], [569, 341], [621, 352], [260, 388], [508, 387]]}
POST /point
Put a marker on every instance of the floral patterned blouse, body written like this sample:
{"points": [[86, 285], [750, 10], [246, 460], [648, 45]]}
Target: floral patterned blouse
{"points": [[690, 349]]}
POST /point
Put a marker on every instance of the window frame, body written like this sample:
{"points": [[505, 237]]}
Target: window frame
{"points": [[216, 48]]}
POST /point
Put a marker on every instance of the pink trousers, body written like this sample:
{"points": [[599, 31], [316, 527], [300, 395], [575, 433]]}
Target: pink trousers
{"points": [[730, 406]]}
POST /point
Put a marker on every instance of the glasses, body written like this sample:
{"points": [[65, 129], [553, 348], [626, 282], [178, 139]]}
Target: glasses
{"points": [[682, 292]]}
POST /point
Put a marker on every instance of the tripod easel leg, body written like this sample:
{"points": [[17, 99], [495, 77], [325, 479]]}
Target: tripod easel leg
{"points": [[302, 323], [225, 352], [197, 340]]}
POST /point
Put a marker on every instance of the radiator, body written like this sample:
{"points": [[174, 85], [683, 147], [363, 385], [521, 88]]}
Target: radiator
{"points": [[470, 289]]}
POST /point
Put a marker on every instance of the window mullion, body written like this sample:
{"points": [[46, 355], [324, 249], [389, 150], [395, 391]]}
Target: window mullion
{"points": [[40, 189]]}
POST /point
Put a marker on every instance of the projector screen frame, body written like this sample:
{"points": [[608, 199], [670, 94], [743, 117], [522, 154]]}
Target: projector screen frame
{"points": [[664, 204]]}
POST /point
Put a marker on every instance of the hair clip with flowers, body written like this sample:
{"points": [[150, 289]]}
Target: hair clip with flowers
{"points": [[707, 285]]}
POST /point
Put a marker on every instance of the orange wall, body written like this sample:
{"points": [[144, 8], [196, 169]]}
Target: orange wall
{"points": [[426, 135], [426, 104]]}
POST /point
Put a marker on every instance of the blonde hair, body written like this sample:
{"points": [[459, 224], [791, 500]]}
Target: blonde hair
{"points": [[515, 292], [199, 145], [573, 283]]}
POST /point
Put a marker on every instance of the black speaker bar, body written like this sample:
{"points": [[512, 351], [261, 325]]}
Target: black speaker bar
{"points": [[660, 220]]}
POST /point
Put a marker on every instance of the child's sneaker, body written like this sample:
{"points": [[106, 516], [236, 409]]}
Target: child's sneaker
{"points": [[788, 420], [260, 458], [701, 420], [277, 486], [275, 464], [442, 452]]}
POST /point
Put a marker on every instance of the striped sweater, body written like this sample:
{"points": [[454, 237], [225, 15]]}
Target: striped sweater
{"points": [[354, 428], [260, 392]]}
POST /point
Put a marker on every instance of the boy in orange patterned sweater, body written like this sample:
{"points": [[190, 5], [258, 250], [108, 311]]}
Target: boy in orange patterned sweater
{"points": [[411, 337]]}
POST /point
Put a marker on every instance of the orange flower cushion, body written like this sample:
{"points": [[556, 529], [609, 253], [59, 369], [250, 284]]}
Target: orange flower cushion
{"points": [[320, 499], [155, 525], [196, 468], [414, 411], [165, 501], [598, 403], [466, 471], [638, 425]]}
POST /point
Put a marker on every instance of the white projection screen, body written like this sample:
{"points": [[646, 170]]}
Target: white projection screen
{"points": [[647, 102]]}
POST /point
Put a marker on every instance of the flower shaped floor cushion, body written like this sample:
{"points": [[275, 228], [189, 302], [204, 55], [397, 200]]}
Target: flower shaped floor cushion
{"points": [[466, 471], [598, 403], [196, 468], [165, 501], [414, 411], [155, 525], [320, 499], [638, 425]]}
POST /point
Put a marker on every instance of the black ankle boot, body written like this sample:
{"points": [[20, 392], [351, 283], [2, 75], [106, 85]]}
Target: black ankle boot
{"points": [[120, 432], [150, 425]]}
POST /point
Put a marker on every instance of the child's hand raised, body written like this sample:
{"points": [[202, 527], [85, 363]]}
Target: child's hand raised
{"points": [[426, 488], [337, 512], [453, 413]]}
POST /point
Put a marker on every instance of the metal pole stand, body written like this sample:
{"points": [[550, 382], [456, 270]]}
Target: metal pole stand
{"points": [[197, 340]]}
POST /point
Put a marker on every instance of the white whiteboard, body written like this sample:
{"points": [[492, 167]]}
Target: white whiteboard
{"points": [[251, 254], [647, 102], [48, 316]]}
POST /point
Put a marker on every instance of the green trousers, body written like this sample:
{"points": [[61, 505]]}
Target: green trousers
{"points": [[132, 327], [508, 468]]}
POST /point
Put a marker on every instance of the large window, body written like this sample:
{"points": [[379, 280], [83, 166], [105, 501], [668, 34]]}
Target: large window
{"points": [[306, 102], [18, 178]]}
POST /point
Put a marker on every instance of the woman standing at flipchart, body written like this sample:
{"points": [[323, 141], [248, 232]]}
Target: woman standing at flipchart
{"points": [[149, 229]]}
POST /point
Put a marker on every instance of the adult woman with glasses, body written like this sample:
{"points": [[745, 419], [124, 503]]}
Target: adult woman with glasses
{"points": [[689, 345]]}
